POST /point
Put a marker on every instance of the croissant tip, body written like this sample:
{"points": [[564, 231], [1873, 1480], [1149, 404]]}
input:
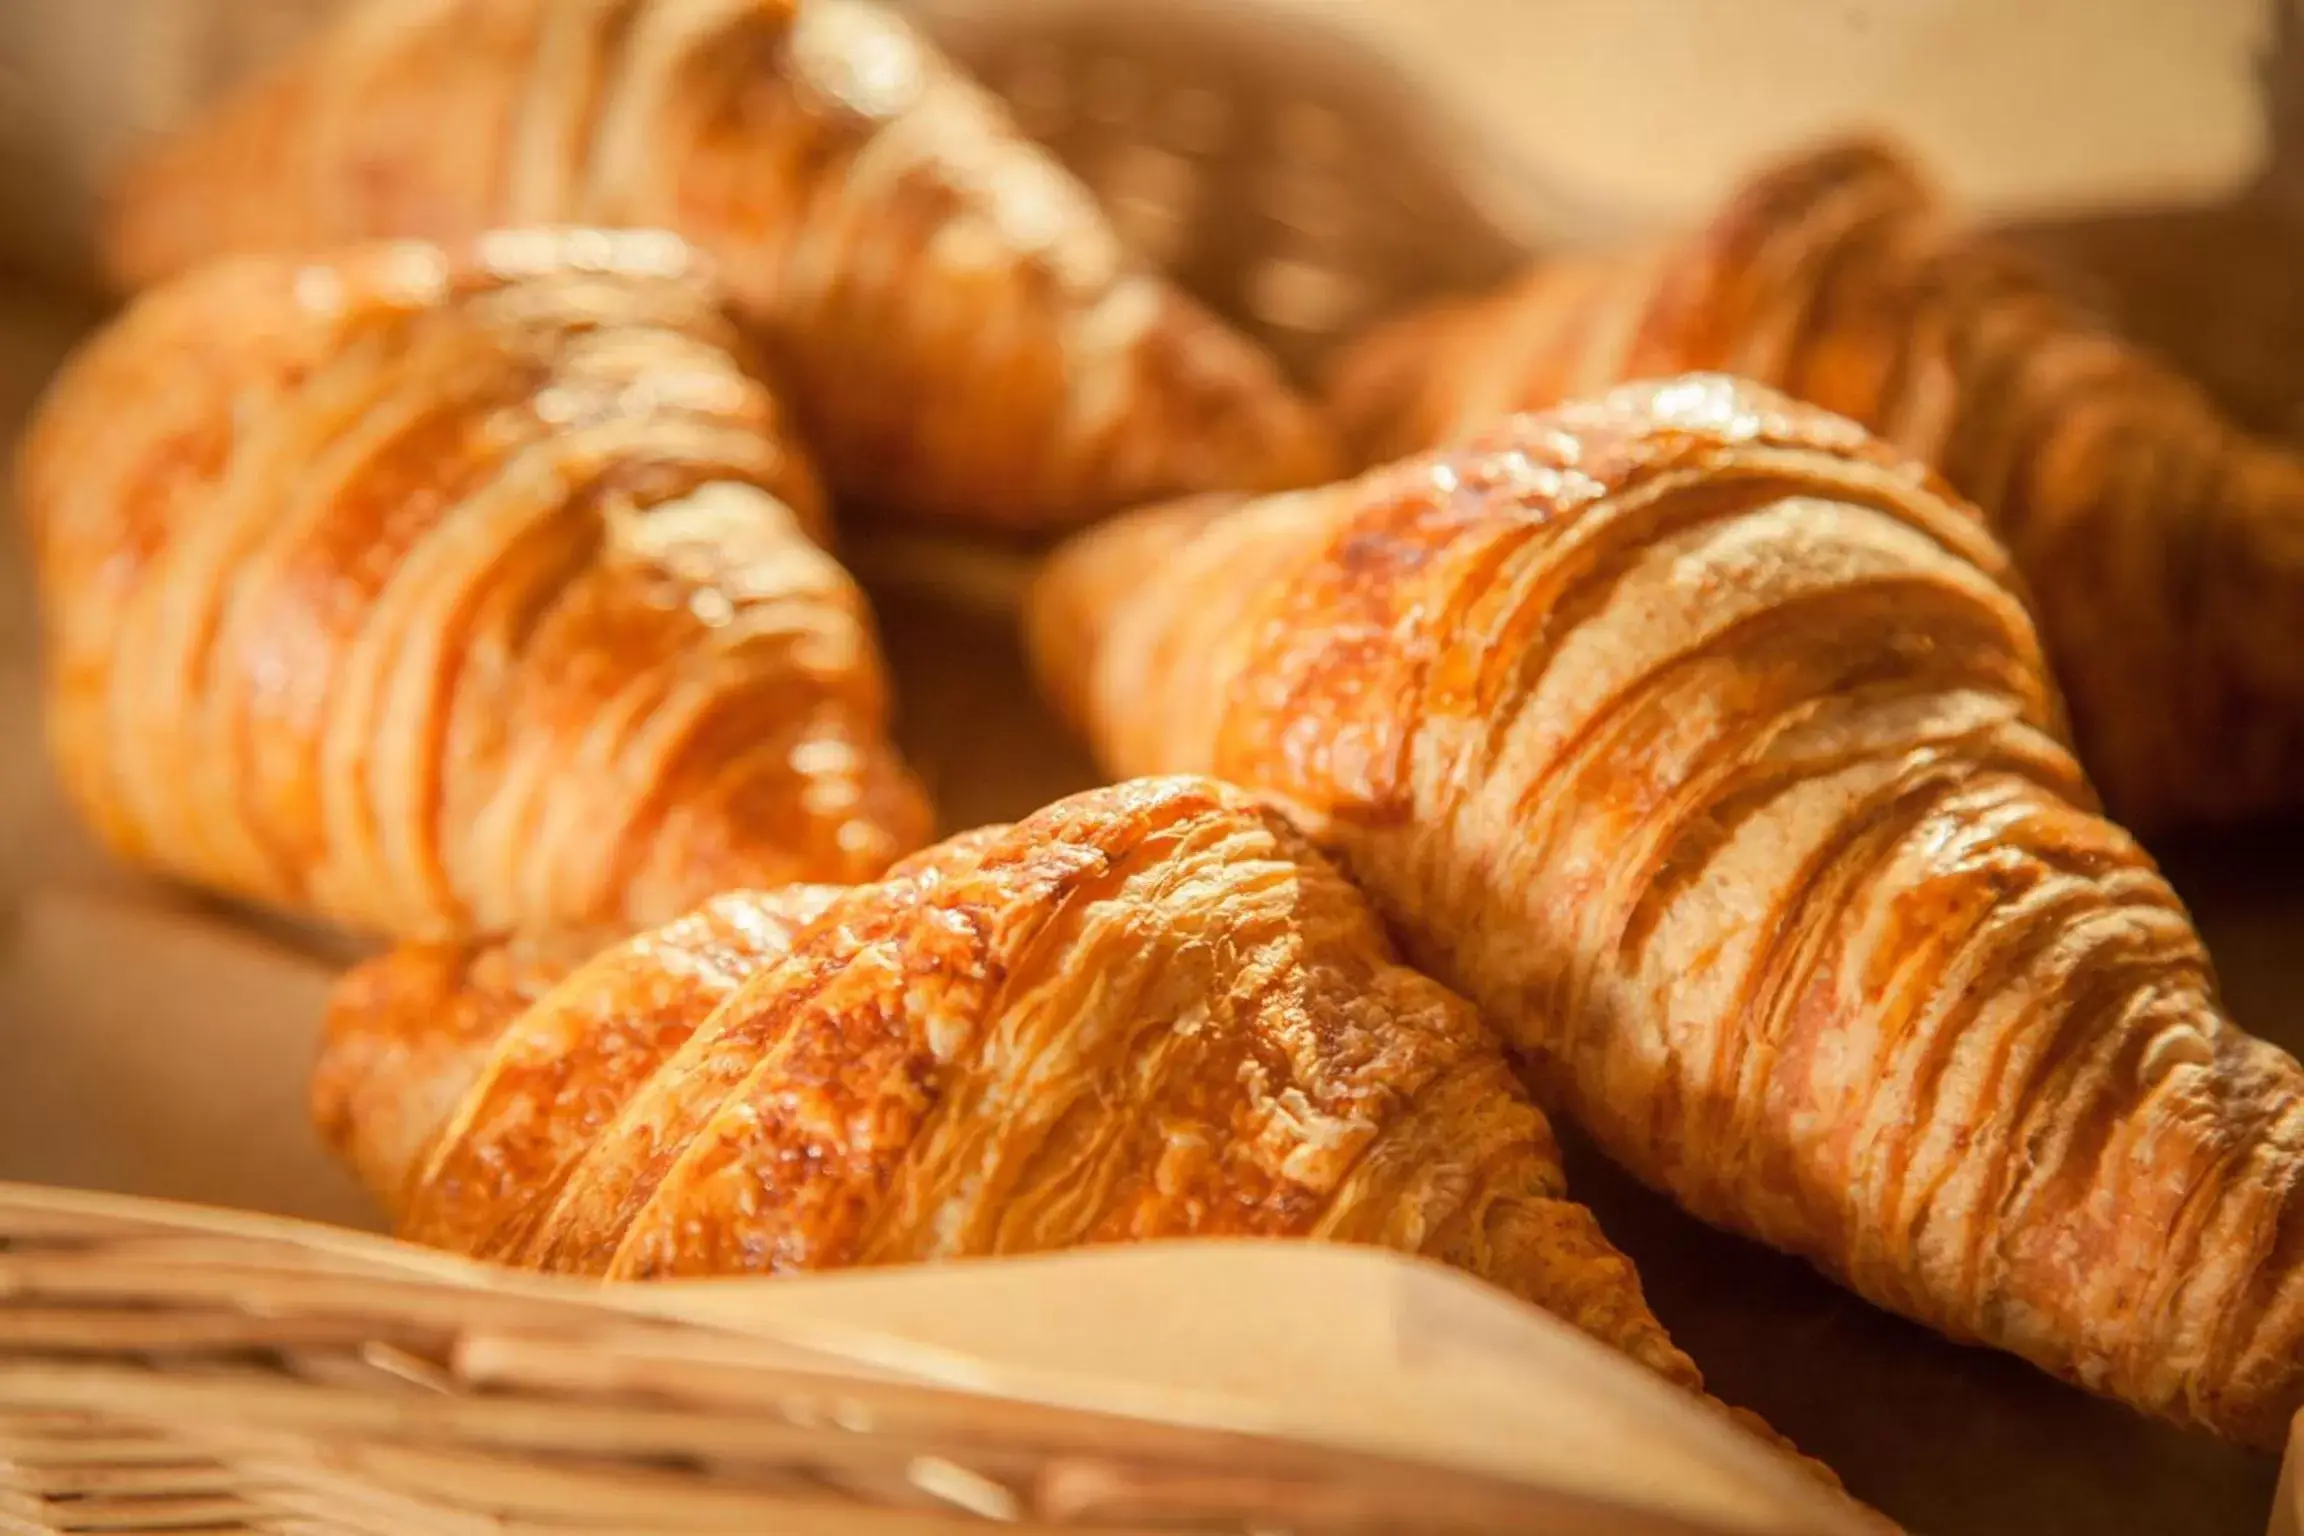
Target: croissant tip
{"points": [[1071, 602], [153, 219], [352, 1042], [1373, 391]]}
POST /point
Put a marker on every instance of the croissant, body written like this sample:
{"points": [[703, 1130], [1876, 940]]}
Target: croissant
{"points": [[2163, 549], [443, 594], [1147, 1011], [964, 335], [1700, 741]]}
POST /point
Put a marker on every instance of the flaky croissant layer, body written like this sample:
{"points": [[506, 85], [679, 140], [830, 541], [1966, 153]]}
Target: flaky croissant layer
{"points": [[966, 337], [1699, 740], [1148, 1011], [2163, 549], [442, 592]]}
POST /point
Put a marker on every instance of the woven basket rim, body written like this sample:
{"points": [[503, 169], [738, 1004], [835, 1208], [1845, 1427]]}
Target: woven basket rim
{"points": [[248, 1277]]}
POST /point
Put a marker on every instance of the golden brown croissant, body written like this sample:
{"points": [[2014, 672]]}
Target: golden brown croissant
{"points": [[2163, 550], [458, 595], [1698, 739], [965, 335], [1146, 1011]]}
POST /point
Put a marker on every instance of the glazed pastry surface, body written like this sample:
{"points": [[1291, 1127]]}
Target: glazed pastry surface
{"points": [[440, 593], [2162, 549], [1701, 741], [1148, 1011]]}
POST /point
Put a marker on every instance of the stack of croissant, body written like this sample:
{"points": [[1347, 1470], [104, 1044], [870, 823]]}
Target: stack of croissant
{"points": [[420, 557]]}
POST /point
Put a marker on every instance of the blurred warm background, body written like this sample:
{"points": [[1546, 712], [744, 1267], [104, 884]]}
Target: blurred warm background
{"points": [[2133, 131]]}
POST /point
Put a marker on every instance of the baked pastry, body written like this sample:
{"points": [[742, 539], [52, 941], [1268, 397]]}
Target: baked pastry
{"points": [[2162, 549], [440, 594], [1147, 1011], [964, 335], [1701, 742]]}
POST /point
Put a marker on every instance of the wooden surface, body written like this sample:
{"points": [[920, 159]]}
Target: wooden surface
{"points": [[2288, 1499], [2287, 1515]]}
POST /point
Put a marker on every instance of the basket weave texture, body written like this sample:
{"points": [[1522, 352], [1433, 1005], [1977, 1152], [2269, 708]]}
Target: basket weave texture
{"points": [[165, 1370]]}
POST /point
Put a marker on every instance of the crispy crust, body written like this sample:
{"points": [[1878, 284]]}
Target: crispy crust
{"points": [[1700, 740], [2164, 550], [1147, 1011], [441, 593]]}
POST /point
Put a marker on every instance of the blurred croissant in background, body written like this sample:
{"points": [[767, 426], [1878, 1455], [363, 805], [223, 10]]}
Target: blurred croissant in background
{"points": [[1700, 740], [1148, 1011], [964, 336], [440, 594], [2162, 549]]}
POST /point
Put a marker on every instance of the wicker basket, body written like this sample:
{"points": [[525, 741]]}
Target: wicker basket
{"points": [[189, 1371]]}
